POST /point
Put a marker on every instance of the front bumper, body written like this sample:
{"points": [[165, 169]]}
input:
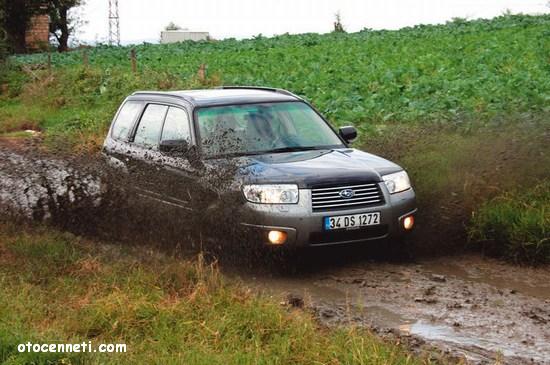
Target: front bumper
{"points": [[304, 227]]}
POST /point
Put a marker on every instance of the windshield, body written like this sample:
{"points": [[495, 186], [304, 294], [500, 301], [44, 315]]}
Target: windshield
{"points": [[263, 128]]}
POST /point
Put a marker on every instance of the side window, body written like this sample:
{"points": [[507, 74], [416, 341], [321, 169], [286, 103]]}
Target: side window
{"points": [[150, 125], [125, 119], [176, 126]]}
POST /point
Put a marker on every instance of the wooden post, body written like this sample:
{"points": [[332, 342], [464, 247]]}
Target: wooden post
{"points": [[133, 60], [202, 73], [85, 57]]}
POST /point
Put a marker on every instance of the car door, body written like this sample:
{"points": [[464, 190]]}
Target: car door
{"points": [[144, 159], [116, 148], [178, 175], [163, 176]]}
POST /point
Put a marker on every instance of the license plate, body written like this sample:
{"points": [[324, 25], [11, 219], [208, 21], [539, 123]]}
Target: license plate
{"points": [[352, 221]]}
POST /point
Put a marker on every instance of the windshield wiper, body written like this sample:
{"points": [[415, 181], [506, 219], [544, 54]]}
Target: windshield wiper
{"points": [[265, 152], [292, 149]]}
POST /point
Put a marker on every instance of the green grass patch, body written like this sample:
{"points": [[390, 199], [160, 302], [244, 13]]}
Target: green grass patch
{"points": [[74, 106], [58, 288], [17, 134], [516, 224]]}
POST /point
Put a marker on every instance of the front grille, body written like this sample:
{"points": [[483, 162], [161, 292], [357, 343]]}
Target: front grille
{"points": [[329, 198], [366, 233]]}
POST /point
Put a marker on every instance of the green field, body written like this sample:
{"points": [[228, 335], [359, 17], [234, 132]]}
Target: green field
{"points": [[464, 107], [458, 72]]}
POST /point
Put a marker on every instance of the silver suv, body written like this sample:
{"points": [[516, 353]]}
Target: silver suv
{"points": [[298, 176]]}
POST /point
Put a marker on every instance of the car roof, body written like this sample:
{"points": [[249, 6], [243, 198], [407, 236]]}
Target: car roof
{"points": [[226, 95]]}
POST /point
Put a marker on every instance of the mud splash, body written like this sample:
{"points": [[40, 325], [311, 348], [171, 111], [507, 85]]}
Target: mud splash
{"points": [[87, 195]]}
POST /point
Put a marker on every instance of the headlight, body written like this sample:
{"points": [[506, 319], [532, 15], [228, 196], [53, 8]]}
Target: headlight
{"points": [[271, 194], [397, 182]]}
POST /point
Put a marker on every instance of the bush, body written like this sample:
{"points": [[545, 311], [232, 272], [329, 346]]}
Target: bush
{"points": [[516, 224], [3, 44], [3, 54]]}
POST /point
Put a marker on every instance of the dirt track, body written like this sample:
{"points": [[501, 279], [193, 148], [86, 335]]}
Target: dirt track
{"points": [[466, 306]]}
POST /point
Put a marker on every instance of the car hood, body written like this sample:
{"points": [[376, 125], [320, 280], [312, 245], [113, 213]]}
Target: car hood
{"points": [[315, 168]]}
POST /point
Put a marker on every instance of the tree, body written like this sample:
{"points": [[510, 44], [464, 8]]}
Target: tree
{"points": [[172, 26], [338, 27], [62, 23], [3, 35], [16, 20]]}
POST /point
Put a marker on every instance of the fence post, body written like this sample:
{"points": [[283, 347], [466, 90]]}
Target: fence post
{"points": [[202, 73], [133, 60], [85, 57]]}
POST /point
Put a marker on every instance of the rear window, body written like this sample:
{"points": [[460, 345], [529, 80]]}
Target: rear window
{"points": [[125, 119]]}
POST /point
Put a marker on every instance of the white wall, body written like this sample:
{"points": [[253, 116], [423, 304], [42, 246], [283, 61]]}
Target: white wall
{"points": [[173, 36]]}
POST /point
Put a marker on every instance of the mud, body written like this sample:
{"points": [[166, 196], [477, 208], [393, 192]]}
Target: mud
{"points": [[466, 307], [477, 309], [88, 195]]}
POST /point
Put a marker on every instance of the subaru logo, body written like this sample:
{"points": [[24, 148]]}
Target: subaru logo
{"points": [[347, 194]]}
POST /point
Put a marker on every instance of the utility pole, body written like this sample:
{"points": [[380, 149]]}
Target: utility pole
{"points": [[114, 23]]}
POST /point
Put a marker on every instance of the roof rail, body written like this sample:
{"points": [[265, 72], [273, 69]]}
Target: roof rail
{"points": [[272, 89], [164, 93]]}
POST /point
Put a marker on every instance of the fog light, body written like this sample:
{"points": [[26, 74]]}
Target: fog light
{"points": [[408, 222], [277, 237]]}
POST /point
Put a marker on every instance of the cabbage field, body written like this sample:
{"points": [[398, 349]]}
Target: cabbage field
{"points": [[463, 71]]}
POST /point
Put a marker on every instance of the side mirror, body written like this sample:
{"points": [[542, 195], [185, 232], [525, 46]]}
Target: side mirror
{"points": [[348, 133], [182, 148], [174, 146]]}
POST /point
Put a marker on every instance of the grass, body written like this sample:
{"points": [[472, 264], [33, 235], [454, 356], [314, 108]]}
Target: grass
{"points": [[59, 288], [73, 107], [516, 224], [17, 134]]}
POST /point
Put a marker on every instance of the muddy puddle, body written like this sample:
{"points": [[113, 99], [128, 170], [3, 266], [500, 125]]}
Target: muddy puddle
{"points": [[478, 309]]}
